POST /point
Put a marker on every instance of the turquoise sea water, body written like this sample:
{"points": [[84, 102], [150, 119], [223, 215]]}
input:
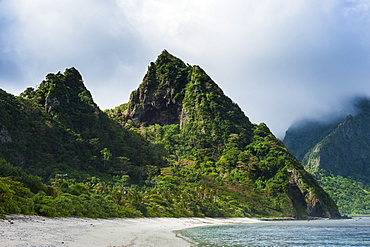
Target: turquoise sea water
{"points": [[351, 232]]}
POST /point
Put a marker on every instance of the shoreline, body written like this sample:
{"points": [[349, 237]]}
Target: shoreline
{"points": [[23, 230]]}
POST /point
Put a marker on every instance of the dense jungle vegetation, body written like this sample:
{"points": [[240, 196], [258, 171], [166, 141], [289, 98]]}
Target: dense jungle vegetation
{"points": [[178, 148]]}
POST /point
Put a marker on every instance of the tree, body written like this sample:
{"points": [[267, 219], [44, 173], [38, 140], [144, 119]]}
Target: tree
{"points": [[106, 155]]}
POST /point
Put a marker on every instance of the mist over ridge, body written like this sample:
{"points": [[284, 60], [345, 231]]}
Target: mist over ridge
{"points": [[349, 106], [335, 150]]}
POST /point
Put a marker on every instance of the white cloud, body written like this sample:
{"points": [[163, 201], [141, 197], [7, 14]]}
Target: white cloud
{"points": [[278, 60], [93, 36]]}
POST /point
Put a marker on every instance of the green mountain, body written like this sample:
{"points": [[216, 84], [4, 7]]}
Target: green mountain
{"points": [[304, 135], [339, 157], [178, 148], [57, 128]]}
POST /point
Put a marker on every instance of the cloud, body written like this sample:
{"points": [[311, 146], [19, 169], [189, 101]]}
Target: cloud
{"points": [[280, 61], [43, 36]]}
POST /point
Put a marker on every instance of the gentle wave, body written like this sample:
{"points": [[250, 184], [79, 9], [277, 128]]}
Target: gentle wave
{"points": [[349, 232]]}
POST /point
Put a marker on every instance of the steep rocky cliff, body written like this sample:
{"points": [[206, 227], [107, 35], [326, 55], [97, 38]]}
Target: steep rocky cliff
{"points": [[340, 159], [345, 150], [159, 98]]}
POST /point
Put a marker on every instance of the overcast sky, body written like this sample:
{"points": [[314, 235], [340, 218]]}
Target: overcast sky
{"points": [[280, 60]]}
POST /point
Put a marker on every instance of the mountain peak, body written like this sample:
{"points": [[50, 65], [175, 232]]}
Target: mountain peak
{"points": [[64, 97], [73, 79], [362, 105], [158, 98], [165, 56], [173, 92]]}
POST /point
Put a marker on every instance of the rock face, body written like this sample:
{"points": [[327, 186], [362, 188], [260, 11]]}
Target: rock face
{"points": [[158, 100], [306, 200], [4, 135]]}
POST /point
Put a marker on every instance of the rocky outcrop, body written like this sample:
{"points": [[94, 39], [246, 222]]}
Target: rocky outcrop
{"points": [[306, 199], [61, 92], [4, 135], [346, 150], [159, 108], [158, 99]]}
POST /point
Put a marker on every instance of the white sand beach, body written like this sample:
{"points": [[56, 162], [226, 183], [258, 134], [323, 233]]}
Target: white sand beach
{"points": [[25, 230]]}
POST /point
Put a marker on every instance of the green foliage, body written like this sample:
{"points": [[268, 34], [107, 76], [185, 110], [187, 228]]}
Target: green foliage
{"points": [[14, 197], [30, 181], [351, 196], [58, 129], [179, 148], [209, 117]]}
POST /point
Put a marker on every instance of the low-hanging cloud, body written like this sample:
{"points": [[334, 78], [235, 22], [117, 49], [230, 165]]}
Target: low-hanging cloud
{"points": [[280, 61]]}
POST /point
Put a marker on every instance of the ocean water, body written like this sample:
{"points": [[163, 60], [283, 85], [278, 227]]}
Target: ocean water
{"points": [[349, 232]]}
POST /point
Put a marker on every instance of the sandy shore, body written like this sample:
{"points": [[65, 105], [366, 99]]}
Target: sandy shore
{"points": [[24, 230]]}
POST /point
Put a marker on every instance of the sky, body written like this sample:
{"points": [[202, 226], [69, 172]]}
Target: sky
{"points": [[280, 61]]}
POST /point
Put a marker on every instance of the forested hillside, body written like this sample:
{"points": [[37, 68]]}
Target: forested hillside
{"points": [[339, 159], [304, 135], [179, 147]]}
